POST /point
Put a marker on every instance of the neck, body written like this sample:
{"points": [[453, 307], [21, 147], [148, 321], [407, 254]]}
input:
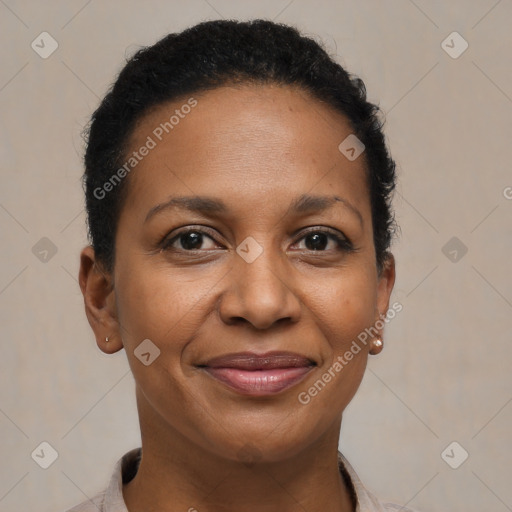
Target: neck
{"points": [[176, 474]]}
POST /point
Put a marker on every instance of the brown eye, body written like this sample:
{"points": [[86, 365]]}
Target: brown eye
{"points": [[319, 241], [189, 240]]}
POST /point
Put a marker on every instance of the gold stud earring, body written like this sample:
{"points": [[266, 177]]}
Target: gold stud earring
{"points": [[376, 347]]}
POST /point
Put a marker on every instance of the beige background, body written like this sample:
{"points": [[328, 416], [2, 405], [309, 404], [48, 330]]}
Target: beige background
{"points": [[444, 374]]}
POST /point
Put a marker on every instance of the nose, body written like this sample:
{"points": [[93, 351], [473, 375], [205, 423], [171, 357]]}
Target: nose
{"points": [[260, 292]]}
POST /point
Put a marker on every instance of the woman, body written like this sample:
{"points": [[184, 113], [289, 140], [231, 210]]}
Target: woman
{"points": [[238, 190]]}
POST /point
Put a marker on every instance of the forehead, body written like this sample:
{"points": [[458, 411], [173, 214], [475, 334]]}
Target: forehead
{"points": [[246, 142]]}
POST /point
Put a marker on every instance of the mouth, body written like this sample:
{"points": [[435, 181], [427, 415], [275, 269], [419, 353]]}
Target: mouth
{"points": [[259, 374]]}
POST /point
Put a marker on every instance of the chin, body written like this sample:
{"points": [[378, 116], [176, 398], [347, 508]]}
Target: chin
{"points": [[266, 445]]}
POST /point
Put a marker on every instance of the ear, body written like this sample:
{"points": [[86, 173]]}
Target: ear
{"points": [[99, 298], [386, 281]]}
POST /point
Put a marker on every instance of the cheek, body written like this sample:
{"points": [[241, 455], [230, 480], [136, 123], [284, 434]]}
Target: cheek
{"points": [[350, 345], [346, 308], [156, 304], [345, 355], [356, 315], [153, 306]]}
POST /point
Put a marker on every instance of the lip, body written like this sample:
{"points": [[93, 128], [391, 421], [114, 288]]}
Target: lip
{"points": [[254, 374]]}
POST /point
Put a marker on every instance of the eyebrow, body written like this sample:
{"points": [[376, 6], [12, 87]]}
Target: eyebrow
{"points": [[306, 203]]}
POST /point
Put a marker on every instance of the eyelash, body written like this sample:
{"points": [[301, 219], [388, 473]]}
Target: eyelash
{"points": [[344, 244]]}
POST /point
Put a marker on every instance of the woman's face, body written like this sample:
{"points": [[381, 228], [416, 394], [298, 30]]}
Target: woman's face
{"points": [[259, 271]]}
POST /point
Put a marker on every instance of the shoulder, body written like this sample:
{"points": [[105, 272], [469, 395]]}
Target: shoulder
{"points": [[384, 506], [393, 506], [364, 499], [111, 498], [95, 504]]}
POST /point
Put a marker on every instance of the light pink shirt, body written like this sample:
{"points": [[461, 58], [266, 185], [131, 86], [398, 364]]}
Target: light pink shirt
{"points": [[111, 499]]}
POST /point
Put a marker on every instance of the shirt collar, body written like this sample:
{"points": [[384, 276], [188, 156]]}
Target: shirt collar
{"points": [[126, 468]]}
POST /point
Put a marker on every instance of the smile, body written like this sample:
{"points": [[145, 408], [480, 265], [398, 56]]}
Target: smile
{"points": [[259, 375]]}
